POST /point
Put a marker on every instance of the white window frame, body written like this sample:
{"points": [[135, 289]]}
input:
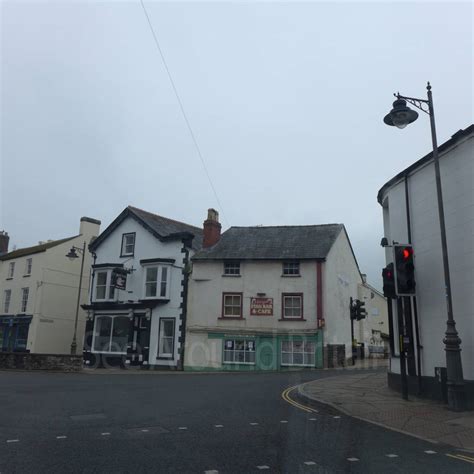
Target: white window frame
{"points": [[234, 350], [290, 295], [24, 300], [292, 352], [166, 355], [94, 333], [7, 300], [159, 281], [232, 268], [108, 285], [232, 305], [291, 268], [123, 252], [28, 266], [11, 269]]}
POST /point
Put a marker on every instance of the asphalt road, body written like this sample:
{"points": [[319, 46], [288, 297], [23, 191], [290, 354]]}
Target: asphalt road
{"points": [[215, 423]]}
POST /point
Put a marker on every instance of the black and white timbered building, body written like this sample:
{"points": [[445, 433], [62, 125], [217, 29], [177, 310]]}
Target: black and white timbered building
{"points": [[137, 309]]}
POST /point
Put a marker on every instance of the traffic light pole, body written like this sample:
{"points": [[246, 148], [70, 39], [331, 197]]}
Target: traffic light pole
{"points": [[352, 331], [401, 345]]}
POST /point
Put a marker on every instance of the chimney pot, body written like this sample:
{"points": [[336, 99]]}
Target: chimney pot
{"points": [[211, 229]]}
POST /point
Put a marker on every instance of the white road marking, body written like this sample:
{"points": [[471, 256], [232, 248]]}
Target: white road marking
{"points": [[352, 459], [310, 463], [105, 434], [61, 437], [218, 426], [145, 431], [429, 451], [263, 467], [392, 455], [253, 424], [185, 428], [336, 417], [283, 421], [211, 471], [13, 440], [312, 419]]}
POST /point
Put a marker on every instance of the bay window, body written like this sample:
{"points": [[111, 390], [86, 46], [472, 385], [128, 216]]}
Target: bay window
{"points": [[104, 289], [157, 281], [111, 334]]}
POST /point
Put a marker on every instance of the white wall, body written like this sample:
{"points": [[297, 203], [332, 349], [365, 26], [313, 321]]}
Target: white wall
{"points": [[207, 285], [457, 176], [146, 247], [341, 278]]}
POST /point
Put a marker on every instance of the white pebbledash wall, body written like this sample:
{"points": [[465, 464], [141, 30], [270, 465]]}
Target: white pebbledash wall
{"points": [[146, 247], [457, 176]]}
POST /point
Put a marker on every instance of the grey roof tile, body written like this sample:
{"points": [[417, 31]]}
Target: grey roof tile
{"points": [[273, 243]]}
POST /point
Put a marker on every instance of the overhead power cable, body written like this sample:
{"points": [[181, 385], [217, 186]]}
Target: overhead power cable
{"points": [[157, 43]]}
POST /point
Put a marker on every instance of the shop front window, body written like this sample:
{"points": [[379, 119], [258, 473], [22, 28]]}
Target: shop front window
{"points": [[111, 334]]}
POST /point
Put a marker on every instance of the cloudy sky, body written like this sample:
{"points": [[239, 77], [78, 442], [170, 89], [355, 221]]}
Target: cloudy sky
{"points": [[286, 102]]}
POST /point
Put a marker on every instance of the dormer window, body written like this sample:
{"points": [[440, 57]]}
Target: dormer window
{"points": [[291, 268], [128, 245], [232, 268]]}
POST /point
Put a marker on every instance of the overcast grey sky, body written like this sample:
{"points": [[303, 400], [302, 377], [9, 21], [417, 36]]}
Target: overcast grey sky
{"points": [[286, 101]]}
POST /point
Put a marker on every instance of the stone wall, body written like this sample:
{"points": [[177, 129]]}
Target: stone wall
{"points": [[27, 361]]}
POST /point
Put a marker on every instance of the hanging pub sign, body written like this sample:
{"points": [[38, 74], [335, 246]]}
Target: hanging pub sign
{"points": [[119, 278], [261, 306]]}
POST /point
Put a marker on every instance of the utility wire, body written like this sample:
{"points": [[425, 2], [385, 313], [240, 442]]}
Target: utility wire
{"points": [[157, 43]]}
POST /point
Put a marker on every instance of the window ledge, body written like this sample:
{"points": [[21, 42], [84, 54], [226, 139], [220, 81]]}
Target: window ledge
{"points": [[26, 276], [165, 358], [9, 278], [232, 276], [231, 318], [291, 276], [292, 319]]}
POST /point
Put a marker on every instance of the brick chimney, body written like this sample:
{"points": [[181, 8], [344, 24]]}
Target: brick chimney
{"points": [[4, 239], [212, 229]]}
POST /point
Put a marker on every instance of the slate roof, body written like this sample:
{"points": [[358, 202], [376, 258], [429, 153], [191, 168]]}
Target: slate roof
{"points": [[311, 242], [35, 249], [161, 227]]}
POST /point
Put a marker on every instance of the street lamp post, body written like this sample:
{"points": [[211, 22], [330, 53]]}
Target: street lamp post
{"points": [[400, 116], [73, 255]]}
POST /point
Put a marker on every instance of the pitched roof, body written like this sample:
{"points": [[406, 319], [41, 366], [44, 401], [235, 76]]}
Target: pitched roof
{"points": [[161, 227], [35, 249], [305, 242]]}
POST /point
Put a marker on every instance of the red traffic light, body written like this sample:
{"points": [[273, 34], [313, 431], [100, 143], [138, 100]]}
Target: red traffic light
{"points": [[406, 253]]}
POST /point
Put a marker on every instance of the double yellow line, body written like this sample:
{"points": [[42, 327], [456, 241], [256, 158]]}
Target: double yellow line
{"points": [[462, 457], [286, 396]]}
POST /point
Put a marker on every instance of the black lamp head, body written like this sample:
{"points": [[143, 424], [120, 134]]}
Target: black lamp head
{"points": [[72, 254], [401, 115]]}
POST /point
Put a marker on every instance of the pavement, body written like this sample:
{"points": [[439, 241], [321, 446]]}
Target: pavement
{"points": [[367, 397], [194, 423]]}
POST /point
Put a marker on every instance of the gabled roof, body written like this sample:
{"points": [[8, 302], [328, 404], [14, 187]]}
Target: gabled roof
{"points": [[299, 242], [161, 227], [35, 249]]}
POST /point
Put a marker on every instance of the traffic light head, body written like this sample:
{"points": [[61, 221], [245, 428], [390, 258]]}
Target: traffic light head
{"points": [[388, 277], [404, 270]]}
